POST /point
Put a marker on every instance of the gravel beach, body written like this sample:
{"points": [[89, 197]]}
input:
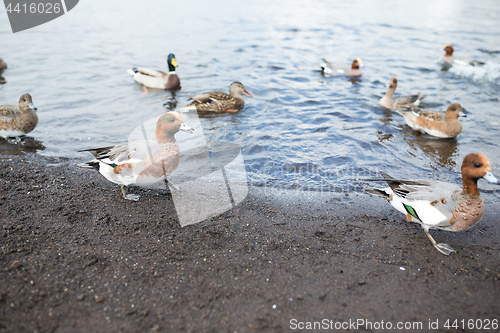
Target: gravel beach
{"points": [[76, 257]]}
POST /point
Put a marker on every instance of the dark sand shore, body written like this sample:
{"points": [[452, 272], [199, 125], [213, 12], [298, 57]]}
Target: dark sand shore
{"points": [[76, 257]]}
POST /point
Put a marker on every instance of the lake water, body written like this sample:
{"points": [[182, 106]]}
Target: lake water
{"points": [[301, 129]]}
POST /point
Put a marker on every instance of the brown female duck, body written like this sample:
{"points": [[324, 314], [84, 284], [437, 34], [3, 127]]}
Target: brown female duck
{"points": [[218, 101]]}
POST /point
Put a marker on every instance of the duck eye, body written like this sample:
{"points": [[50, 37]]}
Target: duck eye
{"points": [[477, 165]]}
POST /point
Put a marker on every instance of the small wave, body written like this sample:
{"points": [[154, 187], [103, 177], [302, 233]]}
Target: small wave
{"points": [[489, 72]]}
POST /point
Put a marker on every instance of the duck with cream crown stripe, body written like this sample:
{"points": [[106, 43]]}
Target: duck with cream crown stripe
{"points": [[218, 101], [342, 69], [157, 79], [17, 120], [438, 124], [440, 205], [399, 102], [451, 60], [141, 163]]}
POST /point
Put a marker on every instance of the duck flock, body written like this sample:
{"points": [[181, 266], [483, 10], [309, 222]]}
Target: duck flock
{"points": [[432, 204]]}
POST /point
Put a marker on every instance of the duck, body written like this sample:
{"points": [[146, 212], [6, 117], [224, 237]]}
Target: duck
{"points": [[438, 124], [399, 102], [141, 163], [455, 62], [218, 101], [3, 65], [342, 69], [18, 120], [157, 79], [440, 205]]}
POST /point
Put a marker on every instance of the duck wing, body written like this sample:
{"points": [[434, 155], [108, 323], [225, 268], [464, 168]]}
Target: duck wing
{"points": [[9, 112], [151, 72], [213, 101], [432, 202]]}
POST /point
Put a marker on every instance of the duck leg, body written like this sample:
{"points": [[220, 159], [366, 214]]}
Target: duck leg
{"points": [[132, 197], [441, 247], [175, 187]]}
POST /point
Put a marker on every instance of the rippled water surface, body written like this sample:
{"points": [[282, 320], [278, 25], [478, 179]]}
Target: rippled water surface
{"points": [[301, 129]]}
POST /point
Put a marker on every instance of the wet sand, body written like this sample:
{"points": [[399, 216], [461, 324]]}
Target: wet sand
{"points": [[76, 257]]}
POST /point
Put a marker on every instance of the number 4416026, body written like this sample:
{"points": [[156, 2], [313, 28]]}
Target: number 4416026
{"points": [[485, 324], [41, 8]]}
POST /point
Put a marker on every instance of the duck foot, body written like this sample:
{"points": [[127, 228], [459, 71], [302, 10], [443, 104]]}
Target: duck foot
{"points": [[444, 248], [441, 247], [131, 197], [168, 183]]}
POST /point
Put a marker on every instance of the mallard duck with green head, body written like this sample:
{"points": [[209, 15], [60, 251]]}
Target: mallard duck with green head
{"points": [[218, 101], [157, 79]]}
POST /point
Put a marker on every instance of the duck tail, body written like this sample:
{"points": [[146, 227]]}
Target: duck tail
{"points": [[186, 108], [324, 67], [378, 192], [132, 71], [90, 165], [419, 99]]}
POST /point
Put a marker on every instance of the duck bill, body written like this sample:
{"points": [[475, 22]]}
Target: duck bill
{"points": [[462, 114], [489, 177], [174, 62], [186, 128], [246, 93], [32, 106]]}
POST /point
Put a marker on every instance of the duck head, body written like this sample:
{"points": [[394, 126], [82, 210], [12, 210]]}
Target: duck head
{"points": [[26, 103], [449, 50], [476, 166], [454, 111], [169, 124], [172, 63], [393, 83], [236, 88], [357, 63]]}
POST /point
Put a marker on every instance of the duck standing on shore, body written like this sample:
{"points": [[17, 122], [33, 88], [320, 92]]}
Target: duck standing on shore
{"points": [[440, 205], [141, 163], [17, 120], [438, 124], [218, 101], [157, 79], [399, 102]]}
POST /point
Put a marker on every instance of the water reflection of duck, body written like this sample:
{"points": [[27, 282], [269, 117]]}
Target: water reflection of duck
{"points": [[440, 205], [157, 79], [441, 152], [218, 101], [20, 145], [141, 163], [399, 102]]}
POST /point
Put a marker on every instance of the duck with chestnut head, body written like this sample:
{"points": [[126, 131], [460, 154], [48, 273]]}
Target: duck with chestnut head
{"points": [[440, 205], [353, 69], [141, 163]]}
